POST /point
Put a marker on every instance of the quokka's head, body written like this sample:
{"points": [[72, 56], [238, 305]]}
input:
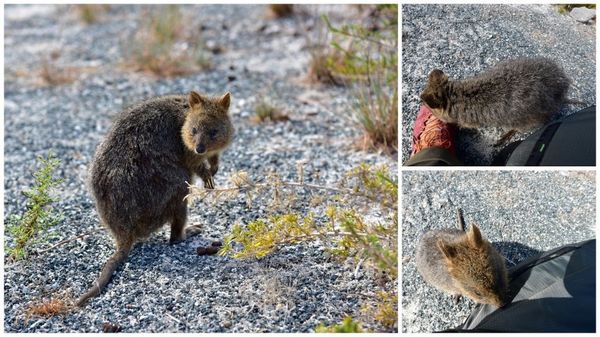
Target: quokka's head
{"points": [[207, 127], [477, 267], [435, 95]]}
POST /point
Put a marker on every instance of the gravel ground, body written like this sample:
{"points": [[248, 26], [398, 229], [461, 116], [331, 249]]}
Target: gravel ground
{"points": [[520, 212], [164, 288], [463, 40]]}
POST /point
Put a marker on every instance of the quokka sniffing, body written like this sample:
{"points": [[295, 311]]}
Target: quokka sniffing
{"points": [[519, 94], [463, 263]]}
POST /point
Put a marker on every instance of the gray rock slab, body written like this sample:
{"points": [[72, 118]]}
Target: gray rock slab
{"points": [[463, 40], [583, 14], [519, 212]]}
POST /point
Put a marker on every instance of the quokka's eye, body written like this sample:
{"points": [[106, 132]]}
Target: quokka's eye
{"points": [[212, 133], [194, 131]]}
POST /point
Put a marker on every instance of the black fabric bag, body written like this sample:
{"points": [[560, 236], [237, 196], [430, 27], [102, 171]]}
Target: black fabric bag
{"points": [[570, 141], [552, 292]]}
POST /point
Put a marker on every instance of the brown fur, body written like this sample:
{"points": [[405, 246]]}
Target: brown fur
{"points": [[463, 264], [519, 94], [138, 175]]}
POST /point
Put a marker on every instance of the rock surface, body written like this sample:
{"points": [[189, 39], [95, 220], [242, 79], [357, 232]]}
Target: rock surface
{"points": [[519, 212], [582, 14], [464, 40]]}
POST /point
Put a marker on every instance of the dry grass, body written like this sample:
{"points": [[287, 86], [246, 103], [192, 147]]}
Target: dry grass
{"points": [[377, 112], [165, 46], [265, 111], [319, 70], [364, 55], [89, 13], [269, 292], [53, 75], [48, 308], [49, 71]]}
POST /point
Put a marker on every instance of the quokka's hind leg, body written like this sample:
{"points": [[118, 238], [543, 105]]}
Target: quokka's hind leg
{"points": [[123, 249], [179, 231], [505, 138], [178, 220]]}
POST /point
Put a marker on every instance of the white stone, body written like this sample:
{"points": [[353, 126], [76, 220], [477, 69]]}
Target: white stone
{"points": [[583, 14]]}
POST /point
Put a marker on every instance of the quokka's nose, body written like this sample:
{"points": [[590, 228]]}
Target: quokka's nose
{"points": [[200, 149]]}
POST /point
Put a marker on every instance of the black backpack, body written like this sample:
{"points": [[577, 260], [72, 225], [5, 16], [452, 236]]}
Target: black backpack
{"points": [[570, 141], [551, 292]]}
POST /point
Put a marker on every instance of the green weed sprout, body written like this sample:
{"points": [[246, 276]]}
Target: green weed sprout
{"points": [[28, 229]]}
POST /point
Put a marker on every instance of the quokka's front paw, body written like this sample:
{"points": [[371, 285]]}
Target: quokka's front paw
{"points": [[213, 170], [209, 183]]}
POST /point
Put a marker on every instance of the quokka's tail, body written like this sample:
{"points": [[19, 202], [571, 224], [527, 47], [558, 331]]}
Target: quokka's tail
{"points": [[109, 268], [460, 221]]}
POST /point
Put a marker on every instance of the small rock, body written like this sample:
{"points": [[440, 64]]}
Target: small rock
{"points": [[108, 327], [582, 14]]}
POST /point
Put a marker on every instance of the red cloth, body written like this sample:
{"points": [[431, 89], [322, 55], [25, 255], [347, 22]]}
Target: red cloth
{"points": [[429, 131]]}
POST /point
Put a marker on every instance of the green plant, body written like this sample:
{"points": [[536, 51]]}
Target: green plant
{"points": [[347, 325], [385, 310], [566, 8], [28, 229], [318, 69], [338, 219], [166, 46]]}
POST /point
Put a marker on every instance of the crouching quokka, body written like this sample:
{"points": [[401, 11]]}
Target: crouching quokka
{"points": [[517, 95], [463, 263], [139, 174]]}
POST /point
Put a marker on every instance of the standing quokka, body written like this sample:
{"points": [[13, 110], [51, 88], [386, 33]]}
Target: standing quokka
{"points": [[520, 94], [139, 172], [463, 263]]}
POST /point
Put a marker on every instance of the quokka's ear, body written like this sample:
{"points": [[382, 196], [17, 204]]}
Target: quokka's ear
{"points": [[474, 236], [437, 76], [195, 99], [435, 95], [225, 100], [448, 250], [433, 99]]}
